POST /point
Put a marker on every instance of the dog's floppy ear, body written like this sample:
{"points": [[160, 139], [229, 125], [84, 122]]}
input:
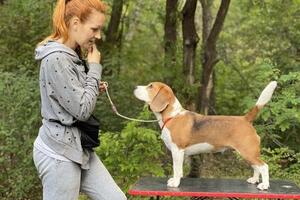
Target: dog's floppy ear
{"points": [[160, 101]]}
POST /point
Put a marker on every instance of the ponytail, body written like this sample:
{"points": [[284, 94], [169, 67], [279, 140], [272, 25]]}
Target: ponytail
{"points": [[58, 21]]}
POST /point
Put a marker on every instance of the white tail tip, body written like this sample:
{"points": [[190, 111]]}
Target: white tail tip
{"points": [[266, 94]]}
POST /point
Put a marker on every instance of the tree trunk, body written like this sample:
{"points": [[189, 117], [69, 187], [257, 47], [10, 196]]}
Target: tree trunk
{"points": [[112, 33], [209, 59], [134, 20], [170, 32], [207, 21], [111, 45], [190, 40], [197, 160]]}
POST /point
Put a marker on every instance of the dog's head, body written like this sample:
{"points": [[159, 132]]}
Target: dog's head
{"points": [[157, 95]]}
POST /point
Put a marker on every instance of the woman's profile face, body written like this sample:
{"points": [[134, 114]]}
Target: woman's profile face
{"points": [[87, 32]]}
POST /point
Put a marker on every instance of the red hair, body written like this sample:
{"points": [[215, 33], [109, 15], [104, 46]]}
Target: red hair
{"points": [[66, 9]]}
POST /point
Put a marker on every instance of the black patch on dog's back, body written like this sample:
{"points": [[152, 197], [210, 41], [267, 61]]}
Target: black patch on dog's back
{"points": [[200, 124]]}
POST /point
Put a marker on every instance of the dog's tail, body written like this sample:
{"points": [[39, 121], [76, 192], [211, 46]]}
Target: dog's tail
{"points": [[263, 99]]}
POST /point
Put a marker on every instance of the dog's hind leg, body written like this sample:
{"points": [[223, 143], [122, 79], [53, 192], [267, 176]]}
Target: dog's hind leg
{"points": [[255, 178], [264, 171], [260, 168]]}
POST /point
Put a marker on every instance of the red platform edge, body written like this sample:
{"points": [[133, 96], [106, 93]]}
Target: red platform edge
{"points": [[212, 194]]}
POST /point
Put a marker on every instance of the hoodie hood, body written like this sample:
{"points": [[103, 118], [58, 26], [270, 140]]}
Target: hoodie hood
{"points": [[52, 46]]}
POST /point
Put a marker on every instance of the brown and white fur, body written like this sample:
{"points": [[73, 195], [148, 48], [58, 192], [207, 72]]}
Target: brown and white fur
{"points": [[187, 133]]}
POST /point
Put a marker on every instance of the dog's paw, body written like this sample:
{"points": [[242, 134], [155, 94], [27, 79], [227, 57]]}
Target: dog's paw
{"points": [[263, 186], [253, 180], [173, 182]]}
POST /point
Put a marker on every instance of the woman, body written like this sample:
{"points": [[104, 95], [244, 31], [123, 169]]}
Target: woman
{"points": [[69, 90]]}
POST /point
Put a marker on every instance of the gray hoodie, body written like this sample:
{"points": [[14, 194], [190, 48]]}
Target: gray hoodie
{"points": [[67, 94]]}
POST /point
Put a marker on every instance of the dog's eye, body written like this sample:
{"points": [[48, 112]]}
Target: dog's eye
{"points": [[150, 86]]}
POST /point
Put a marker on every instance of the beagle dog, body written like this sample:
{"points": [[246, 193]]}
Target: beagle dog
{"points": [[187, 133]]}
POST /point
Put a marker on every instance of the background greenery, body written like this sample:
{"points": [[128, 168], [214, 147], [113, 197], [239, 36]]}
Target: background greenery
{"points": [[260, 42]]}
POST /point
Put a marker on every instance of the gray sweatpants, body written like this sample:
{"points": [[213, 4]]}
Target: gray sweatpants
{"points": [[63, 180]]}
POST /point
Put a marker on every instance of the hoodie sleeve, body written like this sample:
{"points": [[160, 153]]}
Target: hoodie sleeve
{"points": [[64, 85]]}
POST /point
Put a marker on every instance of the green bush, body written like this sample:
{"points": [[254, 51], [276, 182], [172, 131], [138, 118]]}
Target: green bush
{"points": [[280, 121], [284, 163], [23, 24], [19, 122], [131, 153]]}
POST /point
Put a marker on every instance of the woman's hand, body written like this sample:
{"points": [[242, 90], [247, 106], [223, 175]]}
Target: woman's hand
{"points": [[94, 55], [102, 86]]}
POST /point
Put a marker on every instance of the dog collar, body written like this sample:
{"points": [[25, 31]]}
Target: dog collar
{"points": [[165, 122]]}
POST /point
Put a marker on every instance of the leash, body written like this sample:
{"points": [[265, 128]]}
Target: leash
{"points": [[116, 111]]}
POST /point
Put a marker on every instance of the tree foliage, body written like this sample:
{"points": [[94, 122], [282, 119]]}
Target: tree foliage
{"points": [[23, 24]]}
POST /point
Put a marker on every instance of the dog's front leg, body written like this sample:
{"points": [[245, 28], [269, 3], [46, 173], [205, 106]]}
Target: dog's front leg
{"points": [[177, 156]]}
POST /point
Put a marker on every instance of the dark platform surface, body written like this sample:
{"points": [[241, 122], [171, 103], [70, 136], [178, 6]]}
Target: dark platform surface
{"points": [[200, 187]]}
